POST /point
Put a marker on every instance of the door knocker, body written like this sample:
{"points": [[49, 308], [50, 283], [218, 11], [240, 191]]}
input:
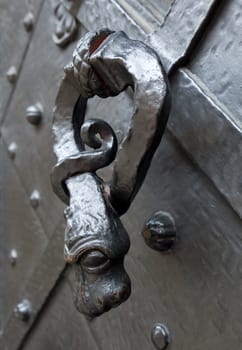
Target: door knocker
{"points": [[104, 63]]}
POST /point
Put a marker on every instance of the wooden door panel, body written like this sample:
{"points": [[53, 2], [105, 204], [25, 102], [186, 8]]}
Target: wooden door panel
{"points": [[60, 326], [21, 232], [193, 289], [14, 41], [38, 82], [188, 289]]}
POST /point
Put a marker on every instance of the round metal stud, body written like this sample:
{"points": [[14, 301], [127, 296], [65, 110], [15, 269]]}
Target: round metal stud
{"points": [[160, 336], [34, 114], [13, 257], [23, 310], [12, 74], [35, 199], [12, 150], [28, 21], [159, 231]]}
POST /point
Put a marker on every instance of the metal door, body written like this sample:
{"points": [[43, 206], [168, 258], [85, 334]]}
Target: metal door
{"points": [[194, 288]]}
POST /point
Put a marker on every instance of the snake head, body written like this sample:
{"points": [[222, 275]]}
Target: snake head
{"points": [[96, 243]]}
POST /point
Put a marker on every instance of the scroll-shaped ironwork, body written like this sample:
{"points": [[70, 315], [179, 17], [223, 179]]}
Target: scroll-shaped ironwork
{"points": [[66, 22], [104, 64]]}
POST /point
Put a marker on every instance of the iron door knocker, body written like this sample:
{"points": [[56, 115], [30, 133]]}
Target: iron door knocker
{"points": [[104, 63]]}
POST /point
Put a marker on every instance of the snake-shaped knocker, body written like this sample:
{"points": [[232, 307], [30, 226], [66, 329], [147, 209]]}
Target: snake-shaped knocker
{"points": [[104, 63]]}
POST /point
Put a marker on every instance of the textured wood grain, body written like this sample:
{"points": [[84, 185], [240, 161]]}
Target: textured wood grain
{"points": [[60, 326], [14, 41], [195, 289], [38, 82], [20, 230], [45, 273]]}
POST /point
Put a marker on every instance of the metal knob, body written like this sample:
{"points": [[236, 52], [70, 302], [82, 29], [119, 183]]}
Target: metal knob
{"points": [[12, 74], [66, 26], [12, 150], [104, 64], [34, 114], [23, 310], [13, 257], [35, 199], [160, 336], [159, 231], [28, 21]]}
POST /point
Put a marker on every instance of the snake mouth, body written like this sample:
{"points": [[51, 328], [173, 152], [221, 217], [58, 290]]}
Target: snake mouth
{"points": [[97, 294]]}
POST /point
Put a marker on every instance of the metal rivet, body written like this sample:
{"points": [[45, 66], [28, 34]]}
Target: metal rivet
{"points": [[12, 74], [159, 231], [13, 257], [35, 199], [34, 114], [28, 21], [23, 310], [12, 149], [160, 336]]}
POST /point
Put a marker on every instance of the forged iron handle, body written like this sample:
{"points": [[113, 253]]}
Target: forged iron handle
{"points": [[104, 64]]}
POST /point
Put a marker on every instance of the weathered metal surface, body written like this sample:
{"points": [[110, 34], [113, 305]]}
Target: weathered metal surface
{"points": [[194, 283], [141, 15], [204, 127], [160, 336], [12, 74], [182, 28], [67, 25], [157, 8], [44, 276], [96, 14], [183, 24], [21, 232], [93, 230], [28, 21], [34, 143], [13, 257], [12, 150], [59, 325], [85, 161], [13, 51], [172, 40], [195, 290], [159, 231], [35, 199], [34, 114], [152, 106], [207, 108], [216, 60], [97, 242], [197, 283], [23, 310]]}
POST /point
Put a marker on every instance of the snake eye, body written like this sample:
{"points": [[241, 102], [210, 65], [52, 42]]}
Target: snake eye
{"points": [[95, 261]]}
